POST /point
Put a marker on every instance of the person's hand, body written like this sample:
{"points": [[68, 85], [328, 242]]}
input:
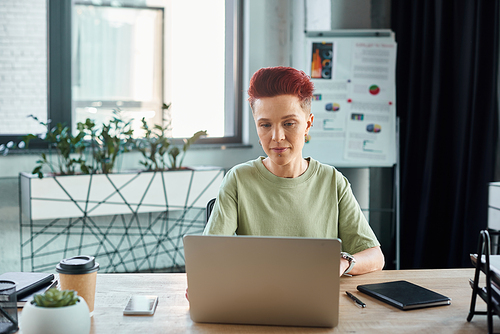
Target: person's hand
{"points": [[187, 297], [368, 260], [344, 264]]}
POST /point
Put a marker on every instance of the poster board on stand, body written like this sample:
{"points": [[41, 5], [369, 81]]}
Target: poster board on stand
{"points": [[354, 103]]}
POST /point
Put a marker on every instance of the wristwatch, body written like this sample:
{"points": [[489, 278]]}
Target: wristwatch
{"points": [[349, 258]]}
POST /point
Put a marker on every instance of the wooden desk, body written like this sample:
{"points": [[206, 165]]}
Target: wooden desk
{"points": [[172, 313]]}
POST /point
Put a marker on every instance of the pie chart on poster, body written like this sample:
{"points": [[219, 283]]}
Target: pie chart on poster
{"points": [[374, 89], [332, 107], [375, 128]]}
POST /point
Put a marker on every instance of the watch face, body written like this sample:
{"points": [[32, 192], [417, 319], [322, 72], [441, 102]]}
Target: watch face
{"points": [[348, 257]]}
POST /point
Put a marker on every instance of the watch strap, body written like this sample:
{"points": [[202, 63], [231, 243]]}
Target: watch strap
{"points": [[349, 258]]}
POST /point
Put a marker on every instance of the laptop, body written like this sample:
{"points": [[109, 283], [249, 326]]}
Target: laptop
{"points": [[263, 280]]}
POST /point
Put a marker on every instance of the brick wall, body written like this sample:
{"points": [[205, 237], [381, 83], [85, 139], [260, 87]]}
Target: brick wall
{"points": [[23, 65]]}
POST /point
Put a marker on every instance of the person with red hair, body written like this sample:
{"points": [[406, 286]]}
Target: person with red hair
{"points": [[284, 194]]}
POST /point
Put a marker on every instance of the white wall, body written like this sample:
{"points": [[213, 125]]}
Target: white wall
{"points": [[351, 14], [23, 63]]}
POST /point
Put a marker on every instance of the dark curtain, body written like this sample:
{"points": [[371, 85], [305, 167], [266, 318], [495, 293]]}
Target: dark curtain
{"points": [[446, 79]]}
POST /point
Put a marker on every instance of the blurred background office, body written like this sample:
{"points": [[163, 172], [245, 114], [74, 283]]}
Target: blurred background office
{"points": [[446, 84]]}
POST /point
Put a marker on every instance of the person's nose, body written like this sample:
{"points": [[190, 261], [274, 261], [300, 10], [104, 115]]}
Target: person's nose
{"points": [[278, 134]]}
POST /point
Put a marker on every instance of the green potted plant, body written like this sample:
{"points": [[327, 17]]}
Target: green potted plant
{"points": [[108, 142], [55, 312], [66, 145], [105, 145], [154, 145]]}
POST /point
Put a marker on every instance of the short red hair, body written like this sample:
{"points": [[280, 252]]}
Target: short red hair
{"points": [[281, 80]]}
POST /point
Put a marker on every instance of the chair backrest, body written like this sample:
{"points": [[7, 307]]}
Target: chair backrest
{"points": [[494, 241], [210, 206]]}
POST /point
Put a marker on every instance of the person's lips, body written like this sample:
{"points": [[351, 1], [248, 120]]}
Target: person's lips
{"points": [[279, 150]]}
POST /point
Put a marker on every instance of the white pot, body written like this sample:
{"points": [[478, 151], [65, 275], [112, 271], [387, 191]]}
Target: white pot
{"points": [[74, 319]]}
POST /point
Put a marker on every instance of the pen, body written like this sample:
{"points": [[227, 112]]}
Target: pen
{"points": [[355, 299], [52, 285]]}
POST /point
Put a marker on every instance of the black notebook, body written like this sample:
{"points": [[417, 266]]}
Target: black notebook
{"points": [[404, 295], [28, 283]]}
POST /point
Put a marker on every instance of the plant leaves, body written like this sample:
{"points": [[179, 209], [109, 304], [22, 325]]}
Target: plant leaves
{"points": [[193, 139], [55, 298]]}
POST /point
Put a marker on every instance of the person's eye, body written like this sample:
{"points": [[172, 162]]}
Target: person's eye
{"points": [[288, 124], [265, 125]]}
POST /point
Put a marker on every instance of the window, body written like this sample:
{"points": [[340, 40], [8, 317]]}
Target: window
{"points": [[187, 53], [203, 64], [117, 63]]}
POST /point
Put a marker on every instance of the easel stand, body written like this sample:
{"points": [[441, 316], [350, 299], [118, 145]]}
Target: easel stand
{"points": [[484, 248]]}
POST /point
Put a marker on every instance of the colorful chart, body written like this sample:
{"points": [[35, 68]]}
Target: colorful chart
{"points": [[316, 97], [374, 89], [321, 60], [332, 107], [357, 117], [375, 128]]}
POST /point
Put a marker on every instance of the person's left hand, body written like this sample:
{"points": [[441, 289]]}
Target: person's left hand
{"points": [[344, 264]]}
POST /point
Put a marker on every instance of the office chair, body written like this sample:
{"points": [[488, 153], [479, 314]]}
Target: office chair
{"points": [[210, 206]]}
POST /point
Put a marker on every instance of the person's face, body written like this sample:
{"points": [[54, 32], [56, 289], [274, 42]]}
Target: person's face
{"points": [[281, 126]]}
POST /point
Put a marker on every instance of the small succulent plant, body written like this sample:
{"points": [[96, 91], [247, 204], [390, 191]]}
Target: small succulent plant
{"points": [[55, 298]]}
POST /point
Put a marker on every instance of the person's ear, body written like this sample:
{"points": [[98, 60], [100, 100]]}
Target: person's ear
{"points": [[309, 122]]}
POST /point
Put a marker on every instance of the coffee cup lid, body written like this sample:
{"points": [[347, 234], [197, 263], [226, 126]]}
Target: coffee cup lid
{"points": [[77, 265]]}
